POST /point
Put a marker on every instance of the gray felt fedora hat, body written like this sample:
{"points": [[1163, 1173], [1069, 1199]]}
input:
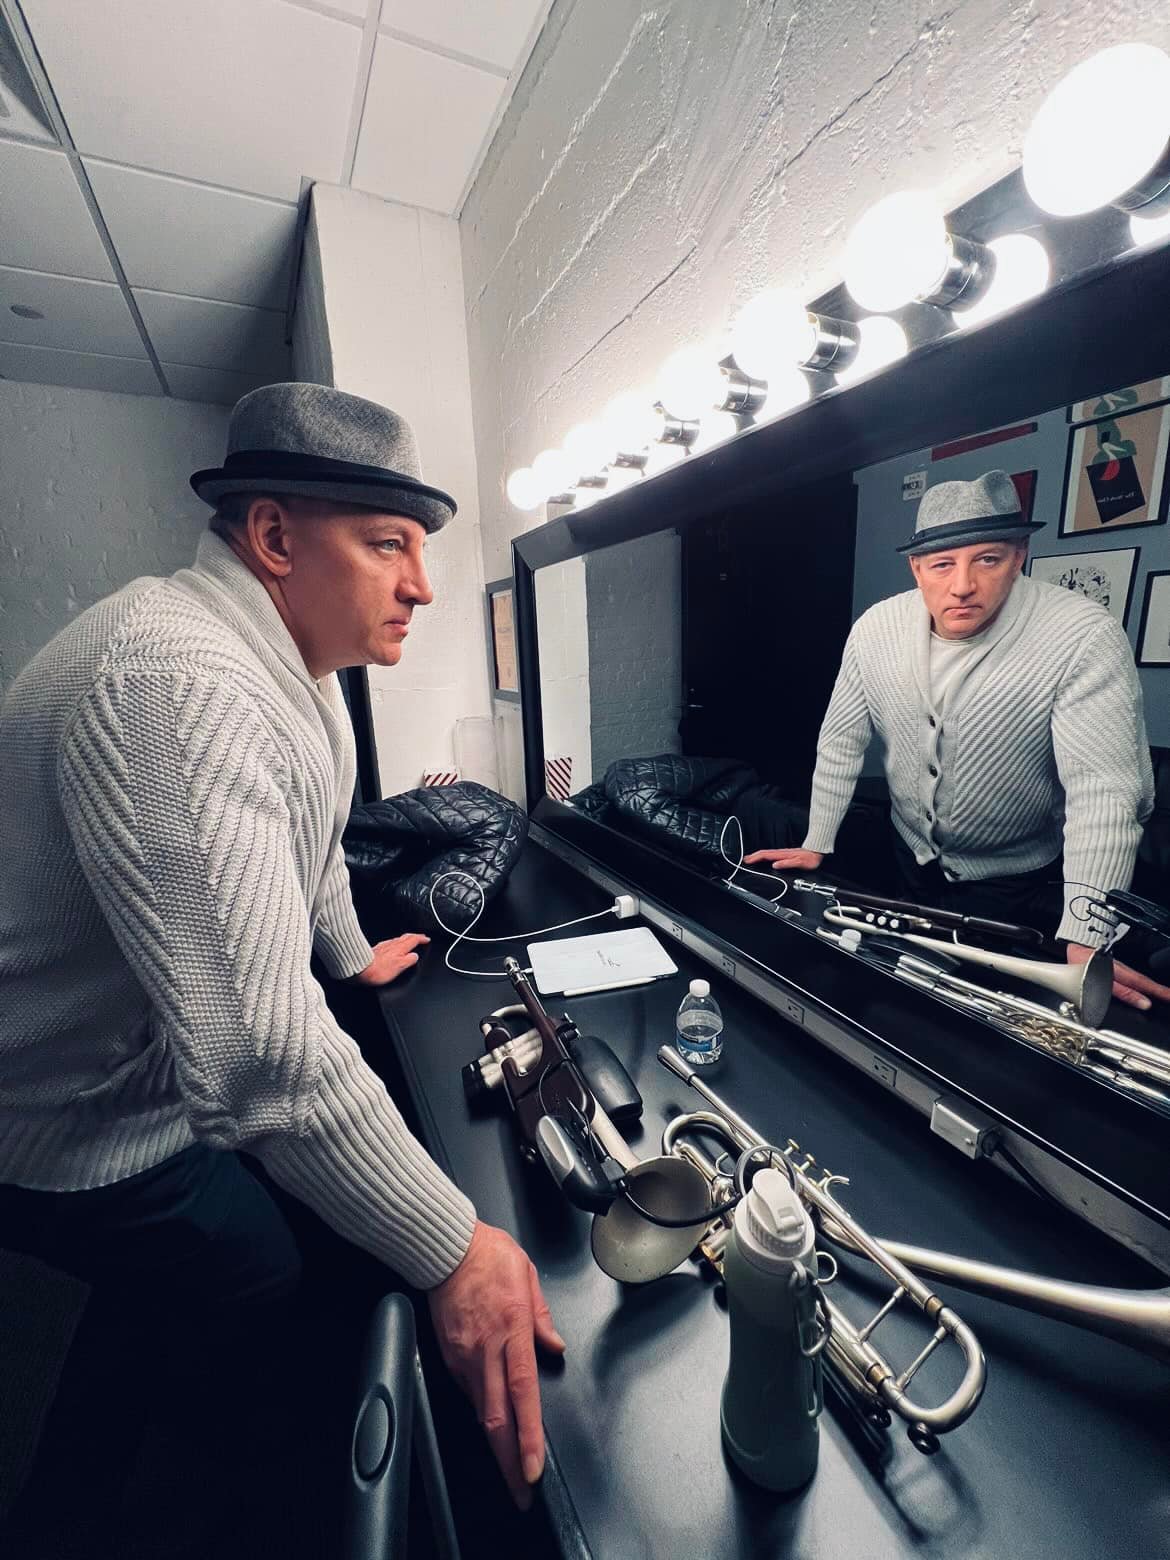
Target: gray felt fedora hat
{"points": [[317, 442], [958, 514]]}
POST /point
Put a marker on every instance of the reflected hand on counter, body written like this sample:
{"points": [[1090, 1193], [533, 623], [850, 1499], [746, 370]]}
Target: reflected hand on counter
{"points": [[1129, 985], [391, 958], [486, 1315], [787, 860]]}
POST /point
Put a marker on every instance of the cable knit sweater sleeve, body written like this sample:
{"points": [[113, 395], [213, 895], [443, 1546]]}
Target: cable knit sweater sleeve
{"points": [[1103, 760], [846, 732], [171, 787], [339, 939]]}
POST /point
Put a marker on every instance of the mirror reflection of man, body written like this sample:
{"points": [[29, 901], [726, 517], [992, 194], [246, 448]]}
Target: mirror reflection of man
{"points": [[1010, 716]]}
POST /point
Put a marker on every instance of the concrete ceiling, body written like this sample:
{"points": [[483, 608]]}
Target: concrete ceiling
{"points": [[155, 154]]}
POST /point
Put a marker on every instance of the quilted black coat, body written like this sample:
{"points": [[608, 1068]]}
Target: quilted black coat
{"points": [[397, 849]]}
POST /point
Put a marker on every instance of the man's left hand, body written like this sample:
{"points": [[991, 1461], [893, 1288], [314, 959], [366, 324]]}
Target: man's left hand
{"points": [[1128, 985], [394, 956]]}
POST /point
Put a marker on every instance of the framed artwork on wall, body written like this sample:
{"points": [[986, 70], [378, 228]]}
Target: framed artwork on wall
{"points": [[1116, 401], [1105, 577], [1115, 476], [501, 640], [1153, 639]]}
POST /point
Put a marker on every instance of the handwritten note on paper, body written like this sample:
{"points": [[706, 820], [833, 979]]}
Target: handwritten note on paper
{"points": [[603, 958]]}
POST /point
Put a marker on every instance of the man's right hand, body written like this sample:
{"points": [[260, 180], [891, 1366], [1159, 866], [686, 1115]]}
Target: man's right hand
{"points": [[787, 860], [486, 1314]]}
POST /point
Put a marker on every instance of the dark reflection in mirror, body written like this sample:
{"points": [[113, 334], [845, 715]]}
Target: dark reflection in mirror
{"points": [[938, 652]]}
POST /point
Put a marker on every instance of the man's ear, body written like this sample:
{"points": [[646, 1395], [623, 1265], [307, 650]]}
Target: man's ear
{"points": [[269, 535]]}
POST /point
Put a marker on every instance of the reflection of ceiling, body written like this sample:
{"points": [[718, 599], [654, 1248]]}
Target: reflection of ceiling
{"points": [[152, 166]]}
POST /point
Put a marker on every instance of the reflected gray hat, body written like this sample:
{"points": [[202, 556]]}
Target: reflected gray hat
{"points": [[317, 442], [958, 514]]}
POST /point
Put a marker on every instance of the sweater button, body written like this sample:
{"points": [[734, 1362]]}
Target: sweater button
{"points": [[930, 720], [930, 817], [932, 772]]}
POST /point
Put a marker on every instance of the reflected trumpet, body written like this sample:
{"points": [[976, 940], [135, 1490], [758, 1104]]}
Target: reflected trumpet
{"points": [[869, 1378], [1133, 1065], [1087, 987]]}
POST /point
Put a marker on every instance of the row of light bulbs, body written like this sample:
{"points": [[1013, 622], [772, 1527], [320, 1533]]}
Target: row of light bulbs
{"points": [[900, 252]]}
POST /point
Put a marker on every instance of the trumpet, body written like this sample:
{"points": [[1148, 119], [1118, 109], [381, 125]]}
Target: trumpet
{"points": [[864, 1372], [1087, 987]]}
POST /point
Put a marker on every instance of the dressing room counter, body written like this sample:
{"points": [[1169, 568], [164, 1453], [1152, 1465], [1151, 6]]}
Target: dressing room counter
{"points": [[1066, 1455]]}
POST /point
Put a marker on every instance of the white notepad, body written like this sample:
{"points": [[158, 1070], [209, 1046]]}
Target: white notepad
{"points": [[604, 958]]}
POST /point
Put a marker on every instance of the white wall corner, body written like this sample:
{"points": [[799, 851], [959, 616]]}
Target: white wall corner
{"points": [[391, 291]]}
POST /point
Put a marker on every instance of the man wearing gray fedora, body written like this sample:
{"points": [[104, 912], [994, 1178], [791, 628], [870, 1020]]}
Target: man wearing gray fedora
{"points": [[178, 766], [1010, 717]]}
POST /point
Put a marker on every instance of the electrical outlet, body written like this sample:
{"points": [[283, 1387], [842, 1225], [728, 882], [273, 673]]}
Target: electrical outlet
{"points": [[727, 965], [884, 1070], [791, 1009], [677, 932]]}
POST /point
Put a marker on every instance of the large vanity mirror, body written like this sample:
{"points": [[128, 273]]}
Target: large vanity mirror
{"points": [[679, 646]]}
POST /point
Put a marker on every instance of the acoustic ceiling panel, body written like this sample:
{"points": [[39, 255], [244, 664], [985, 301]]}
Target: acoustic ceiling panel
{"points": [[424, 126], [45, 224], [81, 370], [189, 238], [68, 313], [247, 94], [210, 384], [497, 32], [207, 334]]}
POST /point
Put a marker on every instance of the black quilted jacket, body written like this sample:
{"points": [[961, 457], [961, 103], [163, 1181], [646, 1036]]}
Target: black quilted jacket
{"points": [[397, 849]]}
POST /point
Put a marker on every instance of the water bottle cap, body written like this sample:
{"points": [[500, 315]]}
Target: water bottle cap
{"points": [[772, 1223], [700, 988]]}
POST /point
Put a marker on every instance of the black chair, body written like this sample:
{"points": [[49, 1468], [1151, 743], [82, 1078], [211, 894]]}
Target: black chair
{"points": [[392, 1420]]}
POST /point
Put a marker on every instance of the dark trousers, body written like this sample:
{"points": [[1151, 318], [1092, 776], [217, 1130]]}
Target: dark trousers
{"points": [[190, 1372], [1023, 898]]}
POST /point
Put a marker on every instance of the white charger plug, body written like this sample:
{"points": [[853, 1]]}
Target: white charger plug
{"points": [[625, 907]]}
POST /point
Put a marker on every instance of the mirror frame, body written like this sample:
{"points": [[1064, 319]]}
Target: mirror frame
{"points": [[1076, 339]]}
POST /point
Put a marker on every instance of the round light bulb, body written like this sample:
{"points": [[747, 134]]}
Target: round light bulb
{"points": [[786, 389], [585, 497], [897, 252], [588, 446], [771, 333], [883, 341], [715, 428], [691, 382], [1022, 271], [524, 490], [1100, 130], [1148, 230], [630, 422], [620, 478], [554, 471]]}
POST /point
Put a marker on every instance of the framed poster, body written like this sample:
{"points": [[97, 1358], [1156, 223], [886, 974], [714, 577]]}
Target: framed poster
{"points": [[1115, 475], [1115, 401], [501, 637], [1153, 639], [1105, 577]]}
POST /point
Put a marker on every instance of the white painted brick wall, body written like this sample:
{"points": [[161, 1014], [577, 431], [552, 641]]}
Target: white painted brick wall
{"points": [[93, 493], [660, 163]]}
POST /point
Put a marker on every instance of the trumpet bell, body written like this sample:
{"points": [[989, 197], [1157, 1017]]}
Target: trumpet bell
{"points": [[631, 1249], [1096, 988]]}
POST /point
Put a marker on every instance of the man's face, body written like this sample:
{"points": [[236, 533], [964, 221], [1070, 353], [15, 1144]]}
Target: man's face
{"points": [[965, 587], [355, 580]]}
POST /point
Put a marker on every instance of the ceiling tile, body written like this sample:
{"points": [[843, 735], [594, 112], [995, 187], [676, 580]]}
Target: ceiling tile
{"points": [[249, 94], [210, 384], [207, 334], [497, 33], [355, 8], [81, 370], [79, 316], [189, 238], [425, 121], [45, 224]]}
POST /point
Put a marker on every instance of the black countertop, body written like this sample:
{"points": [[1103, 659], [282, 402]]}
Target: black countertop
{"points": [[1065, 1457]]}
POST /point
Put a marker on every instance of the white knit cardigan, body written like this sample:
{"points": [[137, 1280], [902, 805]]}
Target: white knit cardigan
{"points": [[175, 786]]}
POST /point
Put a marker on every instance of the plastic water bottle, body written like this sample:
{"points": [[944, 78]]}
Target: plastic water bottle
{"points": [[698, 1026], [772, 1394]]}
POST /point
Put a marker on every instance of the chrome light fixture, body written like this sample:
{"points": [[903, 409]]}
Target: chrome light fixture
{"points": [[901, 252]]}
